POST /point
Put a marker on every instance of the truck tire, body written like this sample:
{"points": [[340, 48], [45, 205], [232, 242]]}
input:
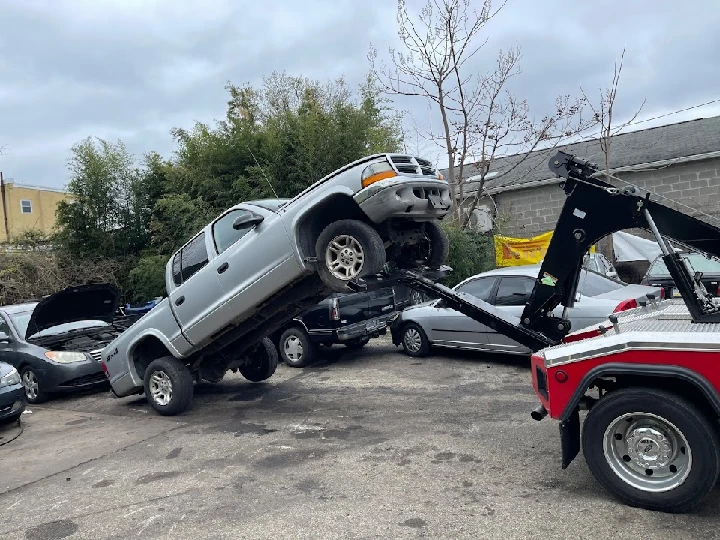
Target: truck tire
{"points": [[439, 244], [168, 386], [414, 340], [652, 449], [357, 343], [295, 347], [348, 249], [262, 363]]}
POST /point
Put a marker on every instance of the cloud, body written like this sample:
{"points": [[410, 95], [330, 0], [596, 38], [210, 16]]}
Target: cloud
{"points": [[134, 69]]}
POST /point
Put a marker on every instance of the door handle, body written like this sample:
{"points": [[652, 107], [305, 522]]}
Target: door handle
{"points": [[179, 301], [224, 266]]}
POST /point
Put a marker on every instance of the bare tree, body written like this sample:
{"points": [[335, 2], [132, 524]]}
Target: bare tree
{"points": [[481, 119], [603, 114]]}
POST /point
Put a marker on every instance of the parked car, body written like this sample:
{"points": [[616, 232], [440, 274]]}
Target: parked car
{"points": [[659, 276], [262, 263], [12, 394], [419, 328], [55, 344], [140, 309], [348, 319], [597, 262]]}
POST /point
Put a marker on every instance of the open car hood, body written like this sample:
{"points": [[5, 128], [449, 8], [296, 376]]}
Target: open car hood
{"points": [[95, 302]]}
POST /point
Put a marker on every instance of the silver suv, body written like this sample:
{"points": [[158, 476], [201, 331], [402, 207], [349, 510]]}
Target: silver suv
{"points": [[261, 263]]}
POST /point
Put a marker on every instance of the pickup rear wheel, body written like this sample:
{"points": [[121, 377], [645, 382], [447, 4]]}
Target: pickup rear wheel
{"points": [[262, 362], [295, 347], [652, 449], [168, 386], [348, 249]]}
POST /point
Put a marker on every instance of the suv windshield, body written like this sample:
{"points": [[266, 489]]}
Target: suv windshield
{"points": [[21, 320], [698, 263]]}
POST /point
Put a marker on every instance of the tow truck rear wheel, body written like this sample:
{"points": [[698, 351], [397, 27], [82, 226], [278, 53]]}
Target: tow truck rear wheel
{"points": [[652, 449]]}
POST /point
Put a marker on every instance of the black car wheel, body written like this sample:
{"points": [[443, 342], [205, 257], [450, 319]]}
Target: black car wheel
{"points": [[414, 340], [262, 362], [295, 347], [346, 250], [168, 386], [34, 392]]}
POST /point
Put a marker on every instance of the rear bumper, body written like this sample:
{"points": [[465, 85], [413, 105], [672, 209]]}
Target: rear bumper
{"points": [[405, 197], [12, 402], [372, 328]]}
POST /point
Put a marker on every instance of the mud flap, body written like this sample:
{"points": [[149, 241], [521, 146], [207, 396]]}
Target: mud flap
{"points": [[570, 438]]}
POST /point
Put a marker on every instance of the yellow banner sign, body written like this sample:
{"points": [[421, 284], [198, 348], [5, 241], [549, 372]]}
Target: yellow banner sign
{"points": [[520, 251]]}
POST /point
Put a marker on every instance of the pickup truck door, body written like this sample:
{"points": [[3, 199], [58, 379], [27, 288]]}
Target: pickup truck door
{"points": [[197, 298], [255, 257]]}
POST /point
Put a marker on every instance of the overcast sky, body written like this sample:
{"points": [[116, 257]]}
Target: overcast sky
{"points": [[134, 69]]}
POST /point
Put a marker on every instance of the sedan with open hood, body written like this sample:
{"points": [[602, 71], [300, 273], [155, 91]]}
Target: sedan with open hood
{"points": [[55, 344]]}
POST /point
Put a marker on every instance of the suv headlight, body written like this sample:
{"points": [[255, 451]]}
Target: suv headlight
{"points": [[10, 379], [65, 357]]}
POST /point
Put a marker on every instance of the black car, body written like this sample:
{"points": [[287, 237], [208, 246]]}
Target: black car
{"points": [[659, 276], [12, 395], [55, 344], [350, 319]]}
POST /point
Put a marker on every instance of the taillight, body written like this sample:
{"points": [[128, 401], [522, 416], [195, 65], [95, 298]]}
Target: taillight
{"points": [[625, 305], [334, 309], [662, 292]]}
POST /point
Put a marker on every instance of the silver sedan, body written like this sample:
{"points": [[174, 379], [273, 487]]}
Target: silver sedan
{"points": [[420, 327]]}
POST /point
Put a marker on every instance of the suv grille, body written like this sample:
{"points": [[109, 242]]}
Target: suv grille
{"points": [[413, 165]]}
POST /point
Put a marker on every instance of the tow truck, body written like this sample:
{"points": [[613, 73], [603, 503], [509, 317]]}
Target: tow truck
{"points": [[648, 378]]}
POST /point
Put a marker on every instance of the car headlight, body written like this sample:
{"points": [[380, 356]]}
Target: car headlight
{"points": [[10, 379], [65, 357]]}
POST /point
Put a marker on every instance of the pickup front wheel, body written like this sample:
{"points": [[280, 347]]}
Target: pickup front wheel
{"points": [[346, 250], [168, 386]]}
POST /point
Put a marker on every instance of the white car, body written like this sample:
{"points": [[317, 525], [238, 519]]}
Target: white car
{"points": [[418, 328]]}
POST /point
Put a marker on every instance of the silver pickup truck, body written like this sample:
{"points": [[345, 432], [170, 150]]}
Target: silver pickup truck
{"points": [[261, 263]]}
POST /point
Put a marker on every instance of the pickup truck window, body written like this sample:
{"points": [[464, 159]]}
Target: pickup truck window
{"points": [[193, 256], [223, 233]]}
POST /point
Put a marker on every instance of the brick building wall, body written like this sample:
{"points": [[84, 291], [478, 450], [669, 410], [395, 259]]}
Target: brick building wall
{"points": [[527, 212]]}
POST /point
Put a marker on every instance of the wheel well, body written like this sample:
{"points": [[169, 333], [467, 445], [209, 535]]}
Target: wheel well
{"points": [[149, 349], [334, 208], [675, 385]]}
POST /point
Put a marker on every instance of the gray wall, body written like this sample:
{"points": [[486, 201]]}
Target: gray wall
{"points": [[528, 212]]}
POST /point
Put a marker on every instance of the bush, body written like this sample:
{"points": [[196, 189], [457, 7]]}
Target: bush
{"points": [[147, 278], [470, 253]]}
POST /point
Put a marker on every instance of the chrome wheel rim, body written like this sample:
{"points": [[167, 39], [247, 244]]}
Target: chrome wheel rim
{"points": [[412, 340], [344, 257], [31, 385], [161, 387], [647, 452], [293, 348]]}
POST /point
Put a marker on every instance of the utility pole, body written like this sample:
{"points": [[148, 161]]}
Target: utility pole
{"points": [[4, 206]]}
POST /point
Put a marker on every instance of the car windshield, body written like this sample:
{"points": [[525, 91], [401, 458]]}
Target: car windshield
{"points": [[698, 263], [21, 321], [593, 284]]}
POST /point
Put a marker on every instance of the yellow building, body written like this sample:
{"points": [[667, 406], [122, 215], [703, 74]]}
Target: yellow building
{"points": [[24, 207]]}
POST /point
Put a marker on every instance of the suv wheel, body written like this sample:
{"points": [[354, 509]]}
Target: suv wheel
{"points": [[262, 362], [168, 386], [346, 250], [295, 347]]}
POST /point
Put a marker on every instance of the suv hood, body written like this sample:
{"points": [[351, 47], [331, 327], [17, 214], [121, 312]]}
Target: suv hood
{"points": [[96, 302]]}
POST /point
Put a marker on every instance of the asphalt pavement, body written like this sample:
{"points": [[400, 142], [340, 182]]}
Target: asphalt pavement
{"points": [[363, 444]]}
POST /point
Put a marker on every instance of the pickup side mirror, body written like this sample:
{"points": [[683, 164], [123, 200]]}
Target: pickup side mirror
{"points": [[5, 338], [247, 218], [441, 304]]}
